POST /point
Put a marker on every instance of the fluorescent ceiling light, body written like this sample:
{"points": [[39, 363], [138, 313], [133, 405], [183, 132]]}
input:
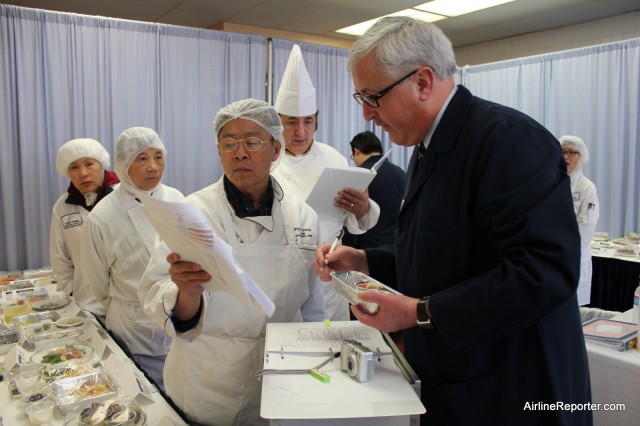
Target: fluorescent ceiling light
{"points": [[430, 12], [362, 27], [458, 7]]}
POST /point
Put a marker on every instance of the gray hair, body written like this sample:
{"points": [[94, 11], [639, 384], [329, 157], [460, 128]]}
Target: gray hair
{"points": [[401, 43]]}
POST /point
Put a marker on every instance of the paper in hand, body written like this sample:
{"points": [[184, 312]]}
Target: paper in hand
{"points": [[331, 181], [187, 232]]}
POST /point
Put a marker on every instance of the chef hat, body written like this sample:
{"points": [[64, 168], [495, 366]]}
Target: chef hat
{"points": [[296, 95], [80, 148], [578, 144], [260, 112], [132, 142]]}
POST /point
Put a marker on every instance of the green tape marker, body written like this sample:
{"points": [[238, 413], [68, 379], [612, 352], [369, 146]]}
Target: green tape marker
{"points": [[323, 377]]}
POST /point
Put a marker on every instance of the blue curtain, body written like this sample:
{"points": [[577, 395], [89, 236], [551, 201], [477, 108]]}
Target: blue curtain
{"points": [[593, 93], [65, 76]]}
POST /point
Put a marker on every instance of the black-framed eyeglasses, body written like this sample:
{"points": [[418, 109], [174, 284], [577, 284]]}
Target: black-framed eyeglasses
{"points": [[251, 143], [570, 153], [372, 100]]}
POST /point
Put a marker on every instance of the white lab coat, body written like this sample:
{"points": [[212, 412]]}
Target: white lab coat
{"points": [[65, 236], [587, 209], [299, 175], [210, 370], [118, 241]]}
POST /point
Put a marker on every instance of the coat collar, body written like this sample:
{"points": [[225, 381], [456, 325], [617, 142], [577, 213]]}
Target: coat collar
{"points": [[443, 140]]}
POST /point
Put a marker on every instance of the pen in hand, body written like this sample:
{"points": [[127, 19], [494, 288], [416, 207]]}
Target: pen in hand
{"points": [[333, 247]]}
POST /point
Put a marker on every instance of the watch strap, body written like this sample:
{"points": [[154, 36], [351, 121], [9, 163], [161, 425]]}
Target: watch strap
{"points": [[421, 310]]}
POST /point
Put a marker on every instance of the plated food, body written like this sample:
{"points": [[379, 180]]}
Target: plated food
{"points": [[50, 305], [70, 322], [59, 354], [111, 412]]}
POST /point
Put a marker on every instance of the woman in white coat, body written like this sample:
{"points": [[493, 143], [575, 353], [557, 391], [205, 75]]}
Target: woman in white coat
{"points": [[218, 340], [85, 162], [119, 240], [586, 206]]}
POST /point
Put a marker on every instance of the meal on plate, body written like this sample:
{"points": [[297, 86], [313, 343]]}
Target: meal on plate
{"points": [[108, 413], [62, 354], [49, 305]]}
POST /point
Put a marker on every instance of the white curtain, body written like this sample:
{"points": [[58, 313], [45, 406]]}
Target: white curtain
{"points": [[593, 93], [65, 76], [339, 115]]}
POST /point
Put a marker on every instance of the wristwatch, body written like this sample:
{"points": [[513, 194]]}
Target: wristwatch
{"points": [[423, 319]]}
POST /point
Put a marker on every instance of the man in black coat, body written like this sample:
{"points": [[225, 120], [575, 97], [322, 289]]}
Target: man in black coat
{"points": [[487, 253], [386, 189]]}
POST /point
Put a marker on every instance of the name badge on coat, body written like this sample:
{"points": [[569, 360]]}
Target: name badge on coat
{"points": [[71, 220]]}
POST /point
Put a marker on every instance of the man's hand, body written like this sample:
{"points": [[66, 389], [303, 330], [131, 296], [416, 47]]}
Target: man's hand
{"points": [[353, 201]]}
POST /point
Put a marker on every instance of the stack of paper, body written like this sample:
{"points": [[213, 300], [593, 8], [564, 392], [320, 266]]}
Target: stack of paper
{"points": [[616, 335], [186, 231]]}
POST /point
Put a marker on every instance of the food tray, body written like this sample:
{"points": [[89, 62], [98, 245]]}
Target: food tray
{"points": [[8, 337], [52, 334], [51, 373], [95, 387], [34, 317], [119, 411], [346, 284]]}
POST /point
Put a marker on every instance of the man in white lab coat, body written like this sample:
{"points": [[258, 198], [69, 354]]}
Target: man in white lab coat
{"points": [[586, 206], [218, 339], [305, 159], [118, 242]]}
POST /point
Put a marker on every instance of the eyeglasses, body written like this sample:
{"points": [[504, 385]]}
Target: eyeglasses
{"points": [[372, 100], [251, 143], [570, 153]]}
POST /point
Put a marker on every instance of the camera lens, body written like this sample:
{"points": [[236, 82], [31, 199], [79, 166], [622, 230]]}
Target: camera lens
{"points": [[352, 365]]}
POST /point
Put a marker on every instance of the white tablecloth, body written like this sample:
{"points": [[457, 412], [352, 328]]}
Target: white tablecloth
{"points": [[615, 379], [158, 412]]}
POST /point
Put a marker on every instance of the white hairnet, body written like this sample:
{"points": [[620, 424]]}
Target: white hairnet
{"points": [[578, 144], [132, 142], [260, 112], [81, 148]]}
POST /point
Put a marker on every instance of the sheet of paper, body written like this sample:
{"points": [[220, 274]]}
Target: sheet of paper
{"points": [[378, 164], [186, 231], [333, 180], [317, 339], [300, 396]]}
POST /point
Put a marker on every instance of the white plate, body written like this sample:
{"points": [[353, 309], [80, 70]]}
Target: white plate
{"points": [[50, 305], [118, 411], [70, 322], [53, 355]]}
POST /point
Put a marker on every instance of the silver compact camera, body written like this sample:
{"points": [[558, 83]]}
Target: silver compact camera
{"points": [[356, 360]]}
